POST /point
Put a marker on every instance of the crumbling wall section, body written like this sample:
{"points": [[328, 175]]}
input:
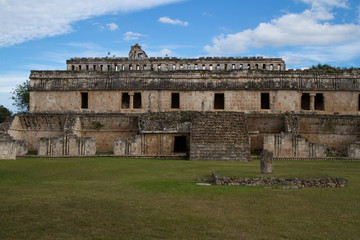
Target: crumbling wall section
{"points": [[354, 150], [288, 145], [219, 136], [336, 131], [67, 145], [131, 146], [7, 149]]}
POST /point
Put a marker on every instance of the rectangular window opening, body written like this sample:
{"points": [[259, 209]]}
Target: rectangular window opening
{"points": [[175, 100], [180, 145], [305, 101], [87, 67], [84, 100], [359, 103], [125, 100], [137, 100], [319, 101], [79, 67], [265, 100], [219, 101]]}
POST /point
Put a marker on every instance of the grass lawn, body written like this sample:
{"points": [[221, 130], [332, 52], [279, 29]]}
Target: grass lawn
{"points": [[114, 198]]}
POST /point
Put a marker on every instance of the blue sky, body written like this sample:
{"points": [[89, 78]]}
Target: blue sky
{"points": [[42, 34]]}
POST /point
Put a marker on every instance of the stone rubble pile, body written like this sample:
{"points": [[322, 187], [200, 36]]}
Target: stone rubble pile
{"points": [[295, 182]]}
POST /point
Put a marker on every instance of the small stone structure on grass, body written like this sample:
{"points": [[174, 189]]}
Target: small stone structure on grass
{"points": [[354, 150], [10, 148], [294, 182], [266, 162]]}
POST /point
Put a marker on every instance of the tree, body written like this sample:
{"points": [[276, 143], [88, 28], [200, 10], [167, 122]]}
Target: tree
{"points": [[21, 96], [324, 67], [4, 113]]}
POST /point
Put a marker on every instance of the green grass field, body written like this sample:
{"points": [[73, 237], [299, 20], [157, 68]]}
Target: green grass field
{"points": [[114, 198]]}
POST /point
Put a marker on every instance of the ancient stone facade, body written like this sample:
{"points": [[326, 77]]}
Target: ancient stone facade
{"points": [[67, 145], [204, 108]]}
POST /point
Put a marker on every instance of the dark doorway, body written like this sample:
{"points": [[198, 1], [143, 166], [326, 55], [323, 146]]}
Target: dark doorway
{"points": [[175, 100], [265, 100], [180, 144], [137, 100], [84, 100], [125, 100], [305, 101], [319, 101], [219, 101]]}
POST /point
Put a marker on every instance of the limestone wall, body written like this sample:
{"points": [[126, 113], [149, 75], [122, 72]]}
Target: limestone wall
{"points": [[287, 145], [336, 132], [156, 144], [158, 101], [354, 150], [131, 146], [7, 149], [67, 145], [219, 136]]}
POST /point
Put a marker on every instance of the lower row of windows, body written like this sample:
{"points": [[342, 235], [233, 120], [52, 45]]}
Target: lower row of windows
{"points": [[134, 100]]}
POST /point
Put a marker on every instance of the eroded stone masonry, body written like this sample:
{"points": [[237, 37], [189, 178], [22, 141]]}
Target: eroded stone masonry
{"points": [[200, 109]]}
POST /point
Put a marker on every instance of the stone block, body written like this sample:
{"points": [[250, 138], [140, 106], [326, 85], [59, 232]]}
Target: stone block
{"points": [[287, 145], [21, 147], [354, 150], [266, 162], [67, 145], [130, 146], [7, 149]]}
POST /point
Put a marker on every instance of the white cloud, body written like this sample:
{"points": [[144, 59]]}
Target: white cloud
{"points": [[24, 20], [112, 26], [308, 28], [172, 21], [165, 52], [335, 54], [128, 36], [8, 83]]}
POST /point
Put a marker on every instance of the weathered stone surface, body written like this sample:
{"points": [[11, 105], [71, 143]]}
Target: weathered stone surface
{"points": [[219, 136], [67, 145], [354, 150], [288, 145], [21, 147], [7, 149], [293, 183], [266, 162], [131, 146]]}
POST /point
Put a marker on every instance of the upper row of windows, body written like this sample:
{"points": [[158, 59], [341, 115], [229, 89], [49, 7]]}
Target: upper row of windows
{"points": [[135, 101], [167, 67]]}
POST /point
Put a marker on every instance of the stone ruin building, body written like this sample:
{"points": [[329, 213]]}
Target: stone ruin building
{"points": [[207, 108]]}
